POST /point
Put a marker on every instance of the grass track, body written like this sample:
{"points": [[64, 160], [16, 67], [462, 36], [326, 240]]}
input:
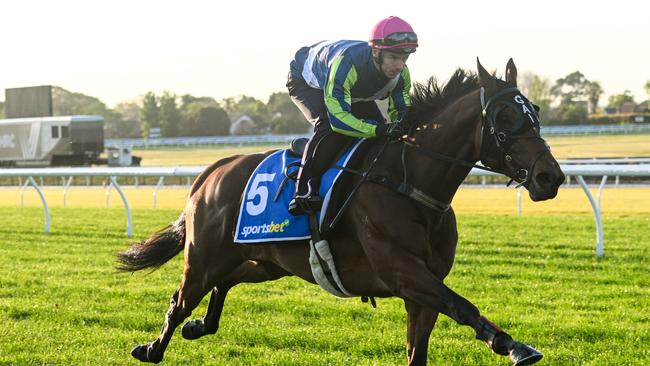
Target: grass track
{"points": [[195, 156], [590, 146], [61, 303]]}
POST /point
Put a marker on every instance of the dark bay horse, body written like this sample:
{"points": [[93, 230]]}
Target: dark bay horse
{"points": [[377, 252]]}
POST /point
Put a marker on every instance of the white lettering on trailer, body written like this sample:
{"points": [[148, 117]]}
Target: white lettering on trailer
{"points": [[7, 141]]}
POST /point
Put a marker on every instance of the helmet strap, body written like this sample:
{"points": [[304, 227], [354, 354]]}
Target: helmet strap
{"points": [[379, 59]]}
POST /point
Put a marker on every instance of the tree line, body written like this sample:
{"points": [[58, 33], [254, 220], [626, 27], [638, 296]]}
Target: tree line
{"points": [[574, 99], [184, 115], [187, 115], [569, 100]]}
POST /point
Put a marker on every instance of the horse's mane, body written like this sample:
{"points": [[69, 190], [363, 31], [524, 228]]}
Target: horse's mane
{"points": [[429, 99]]}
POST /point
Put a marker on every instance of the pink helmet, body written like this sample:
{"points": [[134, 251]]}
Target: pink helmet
{"points": [[393, 34]]}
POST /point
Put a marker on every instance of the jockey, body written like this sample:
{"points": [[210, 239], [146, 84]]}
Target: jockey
{"points": [[335, 85]]}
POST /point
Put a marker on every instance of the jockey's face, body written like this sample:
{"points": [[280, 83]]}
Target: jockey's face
{"points": [[392, 63]]}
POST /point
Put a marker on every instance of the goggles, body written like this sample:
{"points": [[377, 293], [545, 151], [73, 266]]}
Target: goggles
{"points": [[397, 38]]}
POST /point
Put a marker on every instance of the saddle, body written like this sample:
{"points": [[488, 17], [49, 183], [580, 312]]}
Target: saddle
{"points": [[298, 146]]}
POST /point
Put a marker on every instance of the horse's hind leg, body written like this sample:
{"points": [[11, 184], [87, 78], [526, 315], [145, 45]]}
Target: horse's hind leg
{"points": [[209, 324], [182, 302], [247, 272], [420, 322], [200, 275]]}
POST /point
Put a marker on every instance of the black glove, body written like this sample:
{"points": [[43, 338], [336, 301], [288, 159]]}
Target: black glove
{"points": [[393, 130]]}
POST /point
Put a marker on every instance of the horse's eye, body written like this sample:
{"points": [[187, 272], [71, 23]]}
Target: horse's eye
{"points": [[506, 119]]}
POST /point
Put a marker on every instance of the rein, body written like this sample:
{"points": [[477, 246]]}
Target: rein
{"points": [[449, 159]]}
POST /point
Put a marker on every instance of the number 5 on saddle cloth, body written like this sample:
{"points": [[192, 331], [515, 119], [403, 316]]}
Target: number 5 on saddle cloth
{"points": [[263, 215]]}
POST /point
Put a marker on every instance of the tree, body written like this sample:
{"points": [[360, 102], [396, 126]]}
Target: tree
{"points": [[577, 95], [195, 121], [617, 100], [250, 106], [170, 117], [280, 102], [571, 88], [129, 125], [66, 103], [130, 111], [188, 99], [593, 91], [199, 120], [647, 88], [287, 118], [289, 125], [212, 121], [150, 113], [573, 113]]}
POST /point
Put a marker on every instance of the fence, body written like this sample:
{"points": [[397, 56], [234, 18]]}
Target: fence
{"points": [[579, 171], [595, 129], [244, 140], [253, 140]]}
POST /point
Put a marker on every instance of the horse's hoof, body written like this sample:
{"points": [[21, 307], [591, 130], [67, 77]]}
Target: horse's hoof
{"points": [[193, 329], [523, 354], [142, 353]]}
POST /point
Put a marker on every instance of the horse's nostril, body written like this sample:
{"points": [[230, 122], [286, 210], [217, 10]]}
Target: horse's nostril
{"points": [[543, 179]]}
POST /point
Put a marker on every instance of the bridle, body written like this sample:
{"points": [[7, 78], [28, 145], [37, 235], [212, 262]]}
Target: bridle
{"points": [[502, 139]]}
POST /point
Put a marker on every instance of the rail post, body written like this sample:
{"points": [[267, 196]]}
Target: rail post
{"points": [[599, 222], [155, 190], [65, 190], [129, 226], [45, 207]]}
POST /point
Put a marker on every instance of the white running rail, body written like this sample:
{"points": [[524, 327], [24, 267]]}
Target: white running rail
{"points": [[579, 171]]}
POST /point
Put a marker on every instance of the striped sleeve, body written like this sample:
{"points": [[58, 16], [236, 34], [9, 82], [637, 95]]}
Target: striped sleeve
{"points": [[342, 77], [400, 97]]}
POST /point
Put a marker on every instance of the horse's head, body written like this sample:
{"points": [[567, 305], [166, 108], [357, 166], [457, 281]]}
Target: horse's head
{"points": [[510, 138]]}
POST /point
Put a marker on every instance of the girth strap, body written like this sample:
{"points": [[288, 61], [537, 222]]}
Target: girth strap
{"points": [[322, 262]]}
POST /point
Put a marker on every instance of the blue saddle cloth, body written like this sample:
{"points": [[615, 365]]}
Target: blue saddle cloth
{"points": [[264, 219]]}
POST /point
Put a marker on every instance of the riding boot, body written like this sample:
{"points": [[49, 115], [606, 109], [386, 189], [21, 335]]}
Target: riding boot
{"points": [[321, 151], [309, 202], [306, 199]]}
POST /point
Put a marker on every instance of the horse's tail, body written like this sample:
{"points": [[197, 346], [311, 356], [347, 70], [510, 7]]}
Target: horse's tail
{"points": [[156, 250]]}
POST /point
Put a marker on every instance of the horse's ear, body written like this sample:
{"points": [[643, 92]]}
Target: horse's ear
{"points": [[511, 73], [484, 78]]}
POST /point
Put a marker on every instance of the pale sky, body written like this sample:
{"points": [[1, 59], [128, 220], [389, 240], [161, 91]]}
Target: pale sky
{"points": [[118, 50]]}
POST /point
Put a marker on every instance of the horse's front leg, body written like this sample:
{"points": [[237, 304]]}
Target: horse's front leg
{"points": [[396, 254], [420, 322], [412, 280]]}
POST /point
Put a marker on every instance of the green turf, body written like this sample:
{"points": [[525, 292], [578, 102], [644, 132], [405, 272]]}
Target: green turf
{"points": [[61, 302]]}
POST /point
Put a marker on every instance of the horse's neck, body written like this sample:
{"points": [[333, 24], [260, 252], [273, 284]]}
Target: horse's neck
{"points": [[453, 133]]}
